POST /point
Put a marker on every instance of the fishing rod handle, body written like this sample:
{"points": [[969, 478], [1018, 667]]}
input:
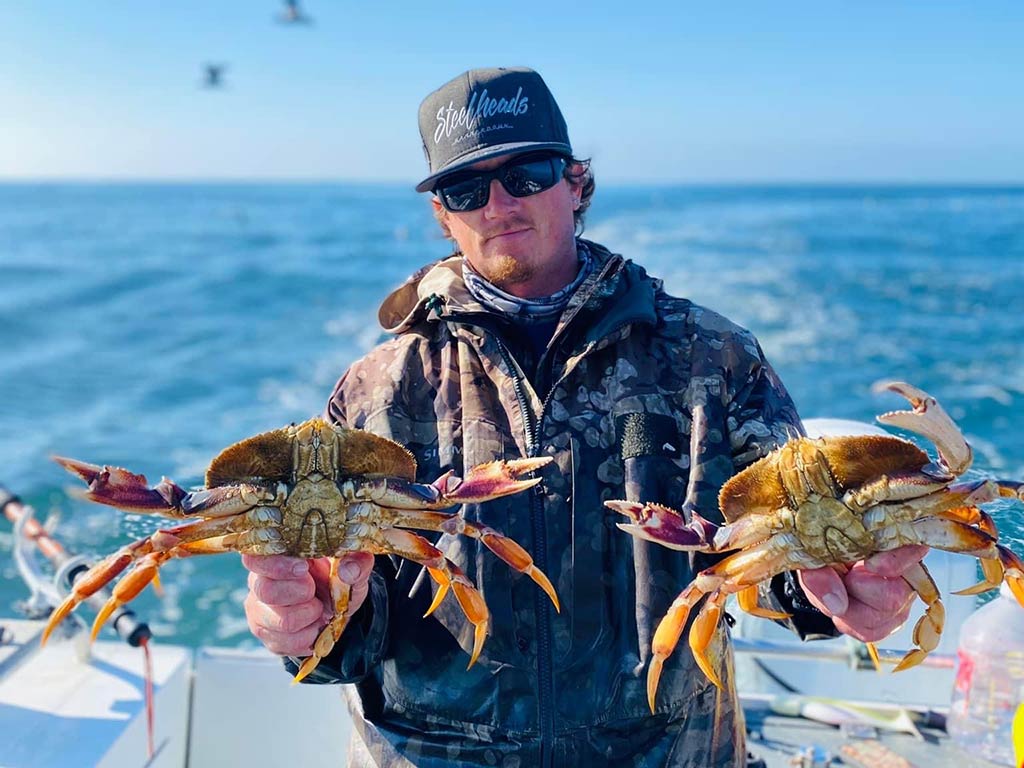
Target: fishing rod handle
{"points": [[124, 621]]}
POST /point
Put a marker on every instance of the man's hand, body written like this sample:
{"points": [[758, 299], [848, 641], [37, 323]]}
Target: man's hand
{"points": [[289, 598], [871, 599]]}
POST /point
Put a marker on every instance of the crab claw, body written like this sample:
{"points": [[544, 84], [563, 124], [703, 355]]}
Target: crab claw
{"points": [[490, 481], [120, 488], [928, 419], [665, 526]]}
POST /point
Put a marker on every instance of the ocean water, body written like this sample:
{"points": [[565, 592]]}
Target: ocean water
{"points": [[149, 326]]}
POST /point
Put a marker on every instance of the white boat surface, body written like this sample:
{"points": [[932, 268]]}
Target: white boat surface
{"points": [[212, 707]]}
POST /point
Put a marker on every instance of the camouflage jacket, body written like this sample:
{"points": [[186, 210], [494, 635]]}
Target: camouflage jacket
{"points": [[639, 395]]}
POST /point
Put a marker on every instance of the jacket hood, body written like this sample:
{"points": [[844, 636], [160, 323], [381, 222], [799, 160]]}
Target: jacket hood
{"points": [[437, 291]]}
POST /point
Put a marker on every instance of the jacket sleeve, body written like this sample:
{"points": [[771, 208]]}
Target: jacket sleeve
{"points": [[363, 643], [762, 417]]}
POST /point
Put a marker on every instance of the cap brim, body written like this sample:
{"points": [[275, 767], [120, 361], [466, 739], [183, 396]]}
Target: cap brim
{"points": [[486, 153]]}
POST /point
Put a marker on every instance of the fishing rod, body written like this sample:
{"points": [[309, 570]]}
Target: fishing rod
{"points": [[47, 593]]}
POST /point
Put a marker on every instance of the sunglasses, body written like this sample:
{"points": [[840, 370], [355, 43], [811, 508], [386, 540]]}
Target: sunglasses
{"points": [[520, 176]]}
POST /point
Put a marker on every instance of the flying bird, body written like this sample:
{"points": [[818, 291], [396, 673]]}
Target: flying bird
{"points": [[213, 75], [293, 14]]}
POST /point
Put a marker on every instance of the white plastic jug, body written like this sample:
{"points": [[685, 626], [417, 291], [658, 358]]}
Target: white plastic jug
{"points": [[990, 679]]}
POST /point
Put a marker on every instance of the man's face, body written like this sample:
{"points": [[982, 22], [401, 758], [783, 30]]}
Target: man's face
{"points": [[524, 245]]}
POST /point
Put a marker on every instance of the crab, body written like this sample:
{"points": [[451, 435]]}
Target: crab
{"points": [[831, 502], [308, 490]]}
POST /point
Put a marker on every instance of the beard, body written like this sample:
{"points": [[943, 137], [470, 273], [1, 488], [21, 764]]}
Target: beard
{"points": [[508, 271]]}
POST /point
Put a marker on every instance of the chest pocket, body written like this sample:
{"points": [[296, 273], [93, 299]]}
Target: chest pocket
{"points": [[654, 461]]}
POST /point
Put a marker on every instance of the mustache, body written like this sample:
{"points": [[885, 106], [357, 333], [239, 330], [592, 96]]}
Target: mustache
{"points": [[510, 224]]}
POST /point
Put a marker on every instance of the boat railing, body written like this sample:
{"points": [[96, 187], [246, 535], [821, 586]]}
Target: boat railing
{"points": [[853, 654]]}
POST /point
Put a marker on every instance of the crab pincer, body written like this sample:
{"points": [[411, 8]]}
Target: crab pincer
{"points": [[664, 525], [490, 481], [928, 419], [120, 488]]}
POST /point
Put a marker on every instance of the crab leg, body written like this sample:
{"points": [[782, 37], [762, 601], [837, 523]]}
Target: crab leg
{"points": [[469, 599], [117, 487], [1014, 569], [146, 568], [340, 594], [448, 575], [703, 631], [971, 516], [412, 547], [1010, 489], [402, 543], [733, 574], [666, 636], [954, 536], [747, 599], [892, 518], [86, 586], [224, 534], [504, 547], [481, 483], [950, 502], [991, 568], [928, 629]]}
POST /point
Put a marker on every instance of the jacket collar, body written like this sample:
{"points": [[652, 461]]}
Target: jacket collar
{"points": [[617, 288]]}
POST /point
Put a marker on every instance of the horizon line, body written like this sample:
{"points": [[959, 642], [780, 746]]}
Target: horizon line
{"points": [[297, 180]]}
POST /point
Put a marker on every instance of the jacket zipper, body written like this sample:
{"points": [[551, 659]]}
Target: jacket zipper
{"points": [[542, 608]]}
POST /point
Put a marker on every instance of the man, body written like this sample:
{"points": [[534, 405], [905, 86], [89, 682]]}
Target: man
{"points": [[530, 341]]}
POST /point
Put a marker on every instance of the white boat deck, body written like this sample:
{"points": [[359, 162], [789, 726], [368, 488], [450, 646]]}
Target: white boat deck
{"points": [[213, 708], [218, 707]]}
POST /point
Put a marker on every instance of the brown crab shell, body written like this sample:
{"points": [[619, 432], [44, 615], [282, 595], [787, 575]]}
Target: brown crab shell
{"points": [[852, 461], [269, 457]]}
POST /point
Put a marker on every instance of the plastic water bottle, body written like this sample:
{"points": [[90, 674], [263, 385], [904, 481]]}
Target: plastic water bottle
{"points": [[989, 680]]}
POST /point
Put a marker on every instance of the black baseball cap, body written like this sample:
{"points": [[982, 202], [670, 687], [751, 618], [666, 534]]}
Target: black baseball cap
{"points": [[484, 113]]}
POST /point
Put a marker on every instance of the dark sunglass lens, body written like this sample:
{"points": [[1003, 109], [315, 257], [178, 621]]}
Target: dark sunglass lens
{"points": [[465, 195], [532, 176], [520, 178]]}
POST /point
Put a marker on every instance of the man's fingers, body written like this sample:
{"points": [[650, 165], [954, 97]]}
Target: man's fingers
{"points": [[287, 630], [895, 562], [281, 592], [877, 604], [289, 598], [868, 624], [355, 567], [276, 566], [288, 619], [878, 593], [825, 589], [287, 643]]}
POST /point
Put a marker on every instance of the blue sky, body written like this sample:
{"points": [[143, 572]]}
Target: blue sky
{"points": [[652, 91]]}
